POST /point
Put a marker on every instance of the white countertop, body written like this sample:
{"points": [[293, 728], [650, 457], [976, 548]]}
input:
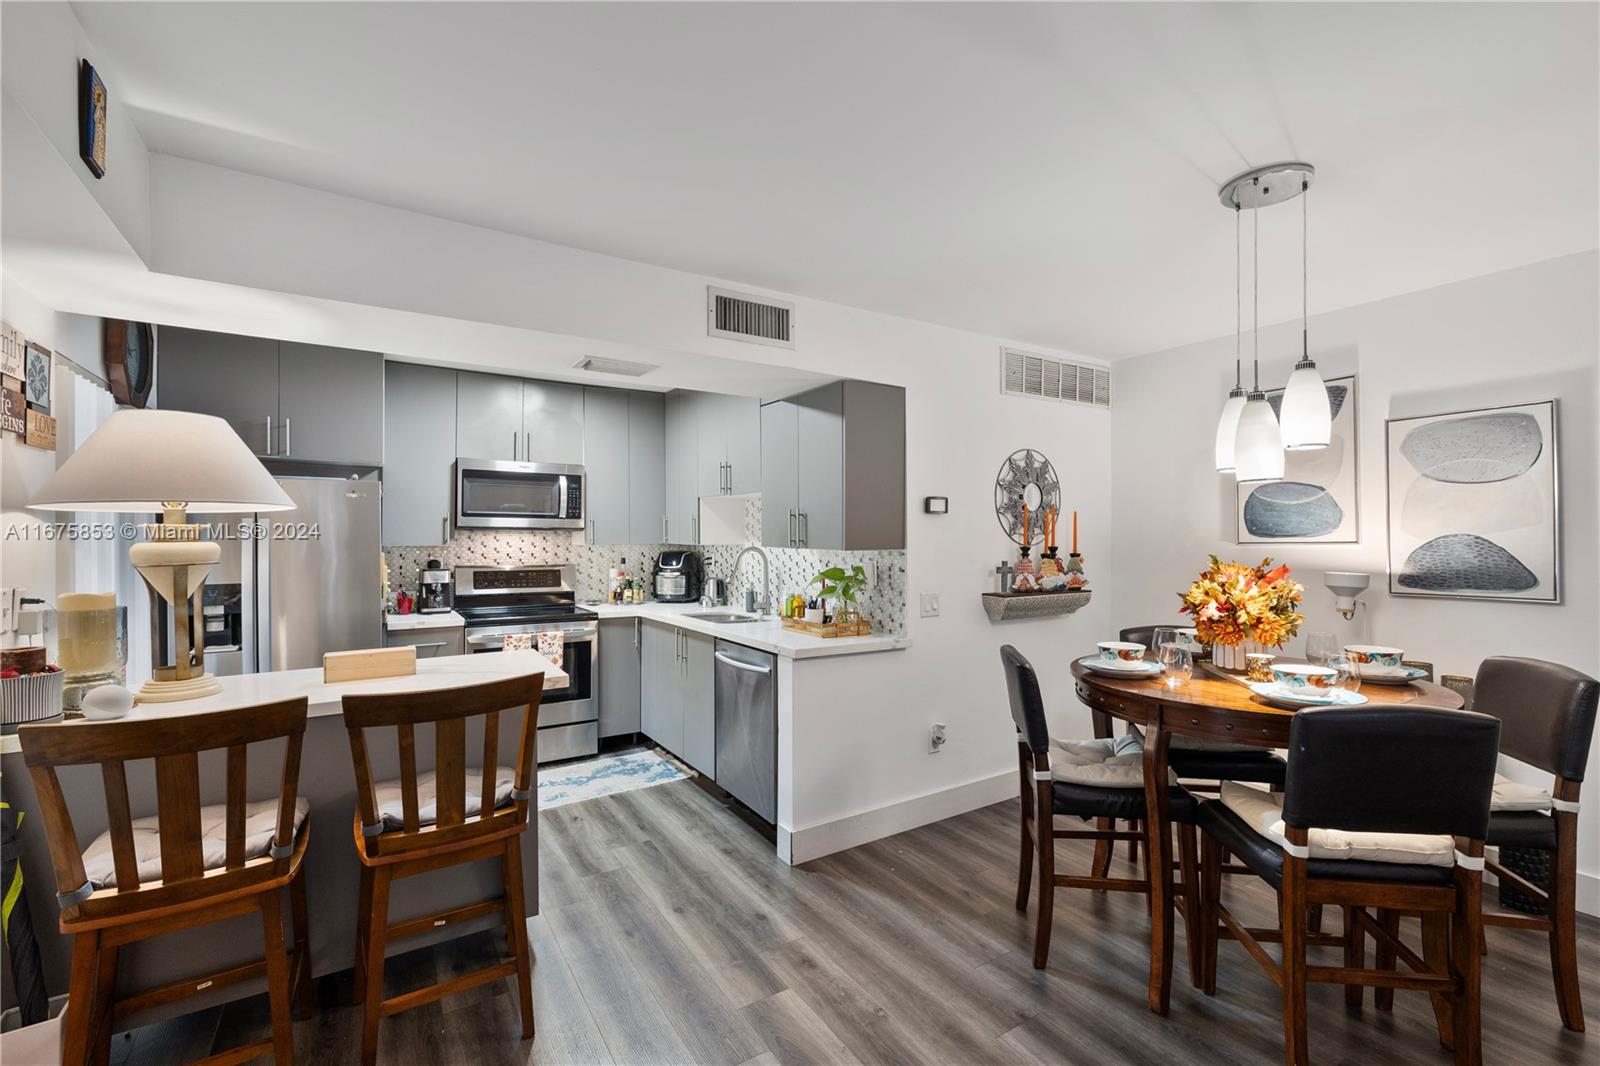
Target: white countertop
{"points": [[767, 635], [440, 672], [397, 623]]}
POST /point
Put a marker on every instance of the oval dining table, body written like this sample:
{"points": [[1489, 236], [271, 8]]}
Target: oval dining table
{"points": [[1214, 708]]}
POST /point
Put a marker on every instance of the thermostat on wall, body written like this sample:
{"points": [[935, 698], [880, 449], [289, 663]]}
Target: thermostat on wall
{"points": [[936, 504]]}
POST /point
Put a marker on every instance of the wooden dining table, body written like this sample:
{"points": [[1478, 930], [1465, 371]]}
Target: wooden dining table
{"points": [[1215, 708]]}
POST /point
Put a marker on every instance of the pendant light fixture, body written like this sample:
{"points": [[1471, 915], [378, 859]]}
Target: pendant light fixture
{"points": [[1228, 424], [1258, 443], [1307, 415], [1258, 447]]}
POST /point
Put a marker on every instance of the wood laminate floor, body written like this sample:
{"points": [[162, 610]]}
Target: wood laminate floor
{"points": [[670, 933]]}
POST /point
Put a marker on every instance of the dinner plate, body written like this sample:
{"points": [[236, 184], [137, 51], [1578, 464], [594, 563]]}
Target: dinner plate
{"points": [[1390, 675], [1283, 696], [1120, 667]]}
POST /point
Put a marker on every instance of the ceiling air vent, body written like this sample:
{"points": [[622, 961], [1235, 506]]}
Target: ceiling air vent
{"points": [[1026, 374], [599, 364], [741, 317]]}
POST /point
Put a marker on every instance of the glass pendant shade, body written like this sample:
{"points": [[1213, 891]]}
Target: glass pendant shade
{"points": [[1228, 430], [1258, 446], [1307, 416]]}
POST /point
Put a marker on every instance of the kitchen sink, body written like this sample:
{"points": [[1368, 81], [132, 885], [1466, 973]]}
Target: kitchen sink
{"points": [[724, 618]]}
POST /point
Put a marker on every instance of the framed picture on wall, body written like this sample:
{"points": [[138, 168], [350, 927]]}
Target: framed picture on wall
{"points": [[1474, 504], [1317, 502]]}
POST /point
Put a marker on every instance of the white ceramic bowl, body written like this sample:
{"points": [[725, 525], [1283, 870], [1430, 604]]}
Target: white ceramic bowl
{"points": [[1298, 676], [1121, 649], [1374, 654]]}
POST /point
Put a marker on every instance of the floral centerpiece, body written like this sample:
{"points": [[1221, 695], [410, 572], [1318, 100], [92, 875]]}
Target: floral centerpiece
{"points": [[1233, 604]]}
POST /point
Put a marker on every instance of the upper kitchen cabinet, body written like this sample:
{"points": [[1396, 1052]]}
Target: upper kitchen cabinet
{"points": [[499, 417], [552, 422], [294, 401], [488, 416], [647, 490], [419, 423], [683, 496], [834, 468], [728, 443], [624, 441], [329, 400]]}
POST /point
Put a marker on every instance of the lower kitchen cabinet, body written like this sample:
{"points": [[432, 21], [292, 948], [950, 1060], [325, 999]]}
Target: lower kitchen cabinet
{"points": [[677, 693], [449, 640], [620, 662]]}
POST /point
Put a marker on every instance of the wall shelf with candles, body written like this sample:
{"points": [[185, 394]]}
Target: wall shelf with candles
{"points": [[1005, 606]]}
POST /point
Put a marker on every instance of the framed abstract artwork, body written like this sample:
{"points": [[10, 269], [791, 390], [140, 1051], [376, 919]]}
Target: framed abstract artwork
{"points": [[1474, 504], [93, 102], [1317, 502]]}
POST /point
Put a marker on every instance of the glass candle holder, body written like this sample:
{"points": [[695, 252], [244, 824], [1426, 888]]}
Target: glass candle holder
{"points": [[94, 651]]}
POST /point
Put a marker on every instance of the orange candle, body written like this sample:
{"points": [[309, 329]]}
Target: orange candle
{"points": [[1026, 539], [1074, 532]]}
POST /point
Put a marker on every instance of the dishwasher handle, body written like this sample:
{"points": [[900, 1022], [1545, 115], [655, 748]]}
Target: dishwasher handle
{"points": [[736, 664]]}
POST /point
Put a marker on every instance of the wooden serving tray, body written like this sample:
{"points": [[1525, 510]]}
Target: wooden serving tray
{"points": [[858, 628]]}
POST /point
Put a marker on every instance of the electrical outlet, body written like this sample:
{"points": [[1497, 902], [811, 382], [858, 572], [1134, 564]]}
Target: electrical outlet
{"points": [[936, 738], [930, 605]]}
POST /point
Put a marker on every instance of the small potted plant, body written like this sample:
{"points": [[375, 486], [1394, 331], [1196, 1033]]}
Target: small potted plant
{"points": [[842, 586]]}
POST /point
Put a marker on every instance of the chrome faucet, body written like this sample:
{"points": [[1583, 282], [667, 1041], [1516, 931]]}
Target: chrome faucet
{"points": [[766, 576]]}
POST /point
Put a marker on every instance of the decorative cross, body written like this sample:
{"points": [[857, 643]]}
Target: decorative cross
{"points": [[1005, 571]]}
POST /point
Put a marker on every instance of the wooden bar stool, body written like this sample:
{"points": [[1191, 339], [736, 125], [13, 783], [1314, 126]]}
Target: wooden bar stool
{"points": [[427, 822], [188, 865]]}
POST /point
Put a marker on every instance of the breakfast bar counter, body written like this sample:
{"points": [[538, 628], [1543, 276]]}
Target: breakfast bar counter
{"points": [[327, 782]]}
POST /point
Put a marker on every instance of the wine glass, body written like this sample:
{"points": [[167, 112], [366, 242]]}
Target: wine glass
{"points": [[1349, 672], [1163, 635], [1322, 648], [1176, 665]]}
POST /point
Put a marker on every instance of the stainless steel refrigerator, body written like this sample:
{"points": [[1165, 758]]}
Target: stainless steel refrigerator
{"points": [[310, 584]]}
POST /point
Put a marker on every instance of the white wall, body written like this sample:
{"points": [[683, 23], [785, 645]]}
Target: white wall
{"points": [[1522, 335]]}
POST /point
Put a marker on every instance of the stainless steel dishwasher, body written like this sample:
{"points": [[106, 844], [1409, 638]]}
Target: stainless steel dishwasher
{"points": [[747, 727]]}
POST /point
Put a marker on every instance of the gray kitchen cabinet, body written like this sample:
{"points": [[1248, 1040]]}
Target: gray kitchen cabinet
{"points": [[660, 683], [330, 401], [728, 444], [620, 675], [647, 491], [449, 640], [845, 476], [286, 400], [552, 422], [419, 447], [779, 485], [222, 374], [683, 497], [488, 416], [607, 461], [697, 697]]}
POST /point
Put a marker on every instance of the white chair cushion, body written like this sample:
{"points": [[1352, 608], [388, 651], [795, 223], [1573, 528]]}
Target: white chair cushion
{"points": [[260, 821], [1106, 762], [391, 808], [1512, 795], [1262, 811]]}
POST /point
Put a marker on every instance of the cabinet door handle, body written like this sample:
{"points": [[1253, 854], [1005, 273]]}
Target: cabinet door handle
{"points": [[664, 539], [269, 436], [805, 529], [444, 530], [514, 436], [794, 537], [637, 625], [527, 447], [435, 644], [288, 448], [696, 526]]}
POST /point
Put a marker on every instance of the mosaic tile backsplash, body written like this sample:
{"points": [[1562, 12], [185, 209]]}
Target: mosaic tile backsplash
{"points": [[884, 601]]}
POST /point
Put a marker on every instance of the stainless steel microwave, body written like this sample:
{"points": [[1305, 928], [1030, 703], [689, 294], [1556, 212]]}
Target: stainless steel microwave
{"points": [[503, 494]]}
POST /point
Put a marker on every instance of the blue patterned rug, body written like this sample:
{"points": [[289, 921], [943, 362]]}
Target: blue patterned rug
{"points": [[607, 775]]}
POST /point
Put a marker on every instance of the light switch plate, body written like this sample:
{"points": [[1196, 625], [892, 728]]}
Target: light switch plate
{"points": [[930, 605]]}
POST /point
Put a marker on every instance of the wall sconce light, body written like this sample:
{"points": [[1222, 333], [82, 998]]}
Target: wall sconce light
{"points": [[1345, 585]]}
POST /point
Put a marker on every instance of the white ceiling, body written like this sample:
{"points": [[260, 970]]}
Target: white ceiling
{"points": [[1040, 172]]}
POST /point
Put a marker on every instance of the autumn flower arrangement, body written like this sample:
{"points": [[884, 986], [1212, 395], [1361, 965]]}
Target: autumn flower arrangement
{"points": [[1232, 603]]}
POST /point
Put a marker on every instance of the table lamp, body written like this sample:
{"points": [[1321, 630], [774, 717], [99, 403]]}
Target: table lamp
{"points": [[167, 461]]}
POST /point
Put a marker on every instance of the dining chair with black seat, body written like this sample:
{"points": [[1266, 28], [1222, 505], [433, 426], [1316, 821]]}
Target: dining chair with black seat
{"points": [[1385, 807], [1547, 718], [187, 865], [1102, 778], [420, 823]]}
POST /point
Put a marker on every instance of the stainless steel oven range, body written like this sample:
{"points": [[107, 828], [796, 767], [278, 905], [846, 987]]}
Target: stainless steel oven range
{"points": [[500, 600]]}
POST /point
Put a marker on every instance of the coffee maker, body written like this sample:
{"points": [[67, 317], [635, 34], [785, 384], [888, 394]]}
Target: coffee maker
{"points": [[677, 577], [434, 590]]}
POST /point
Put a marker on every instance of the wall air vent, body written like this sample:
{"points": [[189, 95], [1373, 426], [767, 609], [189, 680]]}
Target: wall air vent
{"points": [[599, 364], [741, 317], [1026, 374]]}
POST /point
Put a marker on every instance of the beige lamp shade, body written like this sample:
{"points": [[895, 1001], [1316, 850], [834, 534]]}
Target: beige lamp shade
{"points": [[139, 460]]}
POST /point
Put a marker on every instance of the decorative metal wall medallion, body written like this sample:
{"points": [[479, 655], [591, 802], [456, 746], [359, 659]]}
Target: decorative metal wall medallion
{"points": [[1026, 475]]}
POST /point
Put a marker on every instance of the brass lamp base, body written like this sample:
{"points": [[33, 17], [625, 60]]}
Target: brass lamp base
{"points": [[158, 691]]}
